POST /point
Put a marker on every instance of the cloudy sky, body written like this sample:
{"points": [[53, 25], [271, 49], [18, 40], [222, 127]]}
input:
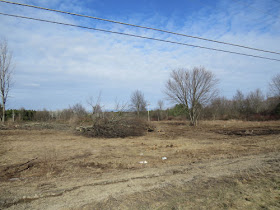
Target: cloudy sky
{"points": [[58, 66]]}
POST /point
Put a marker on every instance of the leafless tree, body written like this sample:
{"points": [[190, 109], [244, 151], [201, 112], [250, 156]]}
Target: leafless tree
{"points": [[120, 107], [138, 102], [95, 106], [252, 103], [160, 104], [255, 101], [65, 114], [78, 110], [275, 85], [6, 71], [43, 115], [160, 108], [239, 103], [271, 103], [219, 108], [192, 88]]}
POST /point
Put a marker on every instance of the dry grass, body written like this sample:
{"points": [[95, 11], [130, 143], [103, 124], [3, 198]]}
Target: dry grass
{"points": [[48, 162], [248, 190]]}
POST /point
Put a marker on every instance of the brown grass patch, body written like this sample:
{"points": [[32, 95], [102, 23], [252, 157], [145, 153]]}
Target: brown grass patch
{"points": [[49, 162]]}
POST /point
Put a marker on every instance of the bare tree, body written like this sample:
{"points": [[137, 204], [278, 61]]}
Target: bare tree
{"points": [[120, 107], [95, 106], [255, 101], [65, 114], [78, 110], [43, 115], [160, 108], [275, 85], [219, 108], [6, 71], [160, 104], [192, 88], [239, 103], [138, 102]]}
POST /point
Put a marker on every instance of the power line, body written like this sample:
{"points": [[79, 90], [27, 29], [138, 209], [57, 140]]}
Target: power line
{"points": [[138, 36], [144, 27]]}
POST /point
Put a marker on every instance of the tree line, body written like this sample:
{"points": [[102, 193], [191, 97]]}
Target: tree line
{"points": [[253, 106], [194, 93]]}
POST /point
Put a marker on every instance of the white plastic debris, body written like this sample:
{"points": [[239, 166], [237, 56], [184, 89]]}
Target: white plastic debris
{"points": [[164, 158], [143, 162], [14, 179], [141, 154]]}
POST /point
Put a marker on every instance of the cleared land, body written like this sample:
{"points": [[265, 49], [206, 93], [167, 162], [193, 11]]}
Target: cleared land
{"points": [[218, 165]]}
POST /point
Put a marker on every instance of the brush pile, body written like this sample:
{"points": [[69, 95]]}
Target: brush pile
{"points": [[115, 128]]}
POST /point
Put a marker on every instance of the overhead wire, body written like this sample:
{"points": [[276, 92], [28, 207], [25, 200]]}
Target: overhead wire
{"points": [[138, 36], [143, 27]]}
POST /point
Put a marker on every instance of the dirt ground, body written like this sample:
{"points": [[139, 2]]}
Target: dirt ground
{"points": [[217, 165]]}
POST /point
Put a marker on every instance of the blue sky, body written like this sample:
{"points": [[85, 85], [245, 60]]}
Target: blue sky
{"points": [[58, 66]]}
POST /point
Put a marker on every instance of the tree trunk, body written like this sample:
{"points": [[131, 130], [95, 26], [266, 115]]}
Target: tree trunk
{"points": [[3, 118], [193, 117]]}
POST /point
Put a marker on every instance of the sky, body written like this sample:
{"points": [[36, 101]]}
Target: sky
{"points": [[58, 66]]}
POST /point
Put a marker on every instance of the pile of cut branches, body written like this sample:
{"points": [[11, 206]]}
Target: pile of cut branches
{"points": [[115, 128]]}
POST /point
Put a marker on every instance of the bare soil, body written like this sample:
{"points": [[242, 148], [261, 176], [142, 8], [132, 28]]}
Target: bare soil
{"points": [[217, 165]]}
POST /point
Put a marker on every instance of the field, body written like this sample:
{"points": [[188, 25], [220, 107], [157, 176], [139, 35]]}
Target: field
{"points": [[217, 165]]}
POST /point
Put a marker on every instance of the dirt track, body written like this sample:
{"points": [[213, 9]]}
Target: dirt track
{"points": [[48, 169]]}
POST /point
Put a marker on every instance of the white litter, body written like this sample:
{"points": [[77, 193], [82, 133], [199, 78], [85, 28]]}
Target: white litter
{"points": [[141, 154], [143, 162], [164, 158], [14, 179]]}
